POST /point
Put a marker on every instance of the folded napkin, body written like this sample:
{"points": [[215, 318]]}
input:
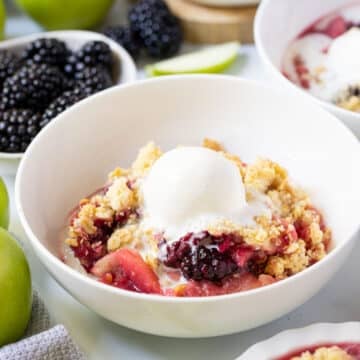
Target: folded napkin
{"points": [[41, 341]]}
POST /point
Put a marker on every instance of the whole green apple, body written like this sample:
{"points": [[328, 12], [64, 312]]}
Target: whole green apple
{"points": [[2, 19], [4, 205], [15, 290], [66, 14]]}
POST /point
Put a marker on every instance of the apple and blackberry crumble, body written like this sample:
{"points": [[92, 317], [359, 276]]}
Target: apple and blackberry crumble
{"points": [[195, 221], [344, 351], [322, 59]]}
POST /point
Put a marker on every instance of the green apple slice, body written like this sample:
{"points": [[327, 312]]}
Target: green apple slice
{"points": [[210, 60]]}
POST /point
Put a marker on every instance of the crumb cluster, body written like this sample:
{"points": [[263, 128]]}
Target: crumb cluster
{"points": [[325, 353]]}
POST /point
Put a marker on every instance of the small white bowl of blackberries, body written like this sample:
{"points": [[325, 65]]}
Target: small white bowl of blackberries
{"points": [[42, 75]]}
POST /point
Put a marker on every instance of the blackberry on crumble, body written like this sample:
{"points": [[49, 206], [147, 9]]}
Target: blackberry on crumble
{"points": [[198, 259]]}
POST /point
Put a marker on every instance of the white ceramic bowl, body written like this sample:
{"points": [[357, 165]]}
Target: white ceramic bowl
{"points": [[291, 340], [124, 70], [74, 153], [277, 23]]}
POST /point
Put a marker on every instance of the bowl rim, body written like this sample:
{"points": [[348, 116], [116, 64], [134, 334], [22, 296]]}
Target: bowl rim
{"points": [[69, 271], [260, 14], [315, 329], [120, 51]]}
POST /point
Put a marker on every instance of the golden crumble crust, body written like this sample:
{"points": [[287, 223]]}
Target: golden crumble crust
{"points": [[212, 144], [294, 260], [324, 353], [121, 237], [264, 175], [120, 196], [85, 218], [116, 173], [145, 159], [352, 104]]}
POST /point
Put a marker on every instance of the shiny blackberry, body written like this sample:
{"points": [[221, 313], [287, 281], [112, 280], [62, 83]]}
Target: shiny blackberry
{"points": [[126, 38], [157, 28], [46, 51], [208, 264], [18, 127], [9, 64], [95, 53], [163, 39], [60, 104], [92, 79], [146, 11], [33, 86], [198, 259]]}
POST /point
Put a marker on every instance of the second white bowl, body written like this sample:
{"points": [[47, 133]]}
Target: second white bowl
{"points": [[277, 23]]}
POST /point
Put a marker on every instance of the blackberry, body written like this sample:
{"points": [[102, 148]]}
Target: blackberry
{"points": [[208, 264], [60, 104], [95, 53], [93, 79], [17, 129], [9, 64], [198, 261], [73, 65], [33, 86], [159, 31], [125, 37], [46, 51], [146, 11]]}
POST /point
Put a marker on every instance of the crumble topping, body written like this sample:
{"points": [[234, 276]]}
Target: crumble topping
{"points": [[264, 175], [325, 353], [145, 159], [85, 219], [290, 236], [121, 237], [212, 144], [120, 196]]}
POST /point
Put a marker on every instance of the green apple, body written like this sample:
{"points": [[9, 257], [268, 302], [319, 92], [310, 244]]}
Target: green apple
{"points": [[66, 14], [15, 290], [4, 205], [209, 60], [2, 19]]}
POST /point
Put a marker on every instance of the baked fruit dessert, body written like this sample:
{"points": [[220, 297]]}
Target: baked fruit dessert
{"points": [[346, 351], [195, 221], [322, 59]]}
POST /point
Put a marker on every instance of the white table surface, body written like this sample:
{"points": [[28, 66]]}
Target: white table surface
{"points": [[101, 339]]}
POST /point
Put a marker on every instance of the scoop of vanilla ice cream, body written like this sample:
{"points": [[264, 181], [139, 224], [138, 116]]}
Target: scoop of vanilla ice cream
{"points": [[343, 54], [189, 183]]}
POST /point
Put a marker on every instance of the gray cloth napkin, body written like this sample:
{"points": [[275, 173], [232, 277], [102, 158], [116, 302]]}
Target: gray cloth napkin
{"points": [[41, 341]]}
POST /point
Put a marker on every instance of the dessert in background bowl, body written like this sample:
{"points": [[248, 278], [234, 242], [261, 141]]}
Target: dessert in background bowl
{"points": [[316, 52], [315, 342], [195, 221], [182, 110], [55, 70], [323, 58]]}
